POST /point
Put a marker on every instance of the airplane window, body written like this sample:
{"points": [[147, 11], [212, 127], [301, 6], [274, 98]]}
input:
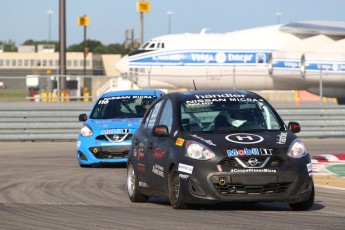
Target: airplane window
{"points": [[158, 45], [152, 45], [146, 44]]}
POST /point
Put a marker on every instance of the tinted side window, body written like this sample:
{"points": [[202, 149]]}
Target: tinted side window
{"points": [[153, 115], [167, 115]]}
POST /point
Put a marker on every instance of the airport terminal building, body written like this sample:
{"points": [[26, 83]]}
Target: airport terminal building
{"points": [[42, 62]]}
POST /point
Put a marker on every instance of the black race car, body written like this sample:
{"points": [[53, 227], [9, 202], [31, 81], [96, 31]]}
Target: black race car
{"points": [[218, 146]]}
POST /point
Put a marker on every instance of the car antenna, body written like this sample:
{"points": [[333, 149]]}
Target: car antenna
{"points": [[194, 85]]}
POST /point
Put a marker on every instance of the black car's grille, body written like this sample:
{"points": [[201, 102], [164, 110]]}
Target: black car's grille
{"points": [[231, 162], [239, 189], [109, 152], [114, 137]]}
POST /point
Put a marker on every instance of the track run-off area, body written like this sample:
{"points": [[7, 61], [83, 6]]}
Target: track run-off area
{"points": [[43, 187]]}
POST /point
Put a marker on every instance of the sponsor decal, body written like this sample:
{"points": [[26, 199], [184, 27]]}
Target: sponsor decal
{"points": [[141, 167], [219, 168], [244, 138], [197, 107], [179, 141], [253, 170], [116, 143], [281, 138], [158, 170], [185, 168], [248, 152], [310, 167], [115, 131], [210, 102], [157, 152], [106, 100], [184, 176], [209, 142], [103, 101], [228, 57], [140, 154], [143, 184]]}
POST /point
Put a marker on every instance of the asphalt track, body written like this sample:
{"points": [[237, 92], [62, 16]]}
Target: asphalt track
{"points": [[42, 187]]}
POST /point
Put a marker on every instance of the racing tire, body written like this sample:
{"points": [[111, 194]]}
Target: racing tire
{"points": [[133, 186], [304, 205], [174, 188]]}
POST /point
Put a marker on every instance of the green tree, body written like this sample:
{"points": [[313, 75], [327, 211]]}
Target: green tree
{"points": [[9, 46], [98, 48]]}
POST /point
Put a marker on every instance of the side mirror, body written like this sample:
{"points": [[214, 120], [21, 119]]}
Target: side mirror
{"points": [[294, 127], [161, 131], [83, 117]]}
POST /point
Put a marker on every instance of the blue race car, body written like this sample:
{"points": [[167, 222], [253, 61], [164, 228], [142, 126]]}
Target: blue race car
{"points": [[106, 134]]}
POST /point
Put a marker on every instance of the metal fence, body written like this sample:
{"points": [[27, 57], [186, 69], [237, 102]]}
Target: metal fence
{"points": [[58, 88], [53, 124]]}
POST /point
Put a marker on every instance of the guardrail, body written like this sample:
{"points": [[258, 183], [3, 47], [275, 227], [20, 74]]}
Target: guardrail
{"points": [[61, 124], [39, 124], [317, 121]]}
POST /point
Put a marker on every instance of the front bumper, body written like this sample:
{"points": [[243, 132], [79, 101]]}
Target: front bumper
{"points": [[293, 183], [88, 154]]}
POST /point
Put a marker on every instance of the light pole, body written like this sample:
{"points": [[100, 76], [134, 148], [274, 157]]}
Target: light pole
{"points": [[49, 12], [169, 13]]}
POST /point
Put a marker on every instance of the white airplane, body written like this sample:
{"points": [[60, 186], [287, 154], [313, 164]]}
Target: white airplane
{"points": [[296, 56]]}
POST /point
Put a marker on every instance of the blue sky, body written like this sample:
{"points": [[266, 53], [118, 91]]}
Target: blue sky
{"points": [[21, 20]]}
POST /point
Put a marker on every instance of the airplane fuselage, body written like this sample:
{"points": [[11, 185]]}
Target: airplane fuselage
{"points": [[253, 59]]}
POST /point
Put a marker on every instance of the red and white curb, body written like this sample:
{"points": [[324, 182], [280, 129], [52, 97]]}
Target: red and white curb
{"points": [[320, 162]]}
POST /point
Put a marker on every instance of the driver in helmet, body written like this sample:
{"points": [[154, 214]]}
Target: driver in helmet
{"points": [[237, 118], [145, 104], [231, 119]]}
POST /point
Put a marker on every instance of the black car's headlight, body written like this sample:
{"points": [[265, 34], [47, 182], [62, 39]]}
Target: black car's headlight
{"points": [[86, 131], [297, 149], [198, 151]]}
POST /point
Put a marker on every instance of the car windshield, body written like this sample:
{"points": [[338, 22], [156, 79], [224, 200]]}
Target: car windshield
{"points": [[131, 106], [229, 116]]}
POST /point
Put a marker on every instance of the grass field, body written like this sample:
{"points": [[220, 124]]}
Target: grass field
{"points": [[9, 95]]}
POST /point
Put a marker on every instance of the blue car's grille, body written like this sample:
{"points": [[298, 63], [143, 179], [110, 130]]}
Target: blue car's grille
{"points": [[110, 152], [114, 137]]}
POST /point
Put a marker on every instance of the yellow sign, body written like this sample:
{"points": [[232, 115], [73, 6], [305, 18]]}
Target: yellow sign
{"points": [[143, 7], [83, 21], [179, 141]]}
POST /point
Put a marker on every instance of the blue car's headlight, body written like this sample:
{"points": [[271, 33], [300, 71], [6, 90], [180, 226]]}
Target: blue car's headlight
{"points": [[86, 131], [297, 149], [198, 151]]}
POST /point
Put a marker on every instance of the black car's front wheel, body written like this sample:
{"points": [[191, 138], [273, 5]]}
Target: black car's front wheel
{"points": [[305, 205], [175, 196], [133, 186]]}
